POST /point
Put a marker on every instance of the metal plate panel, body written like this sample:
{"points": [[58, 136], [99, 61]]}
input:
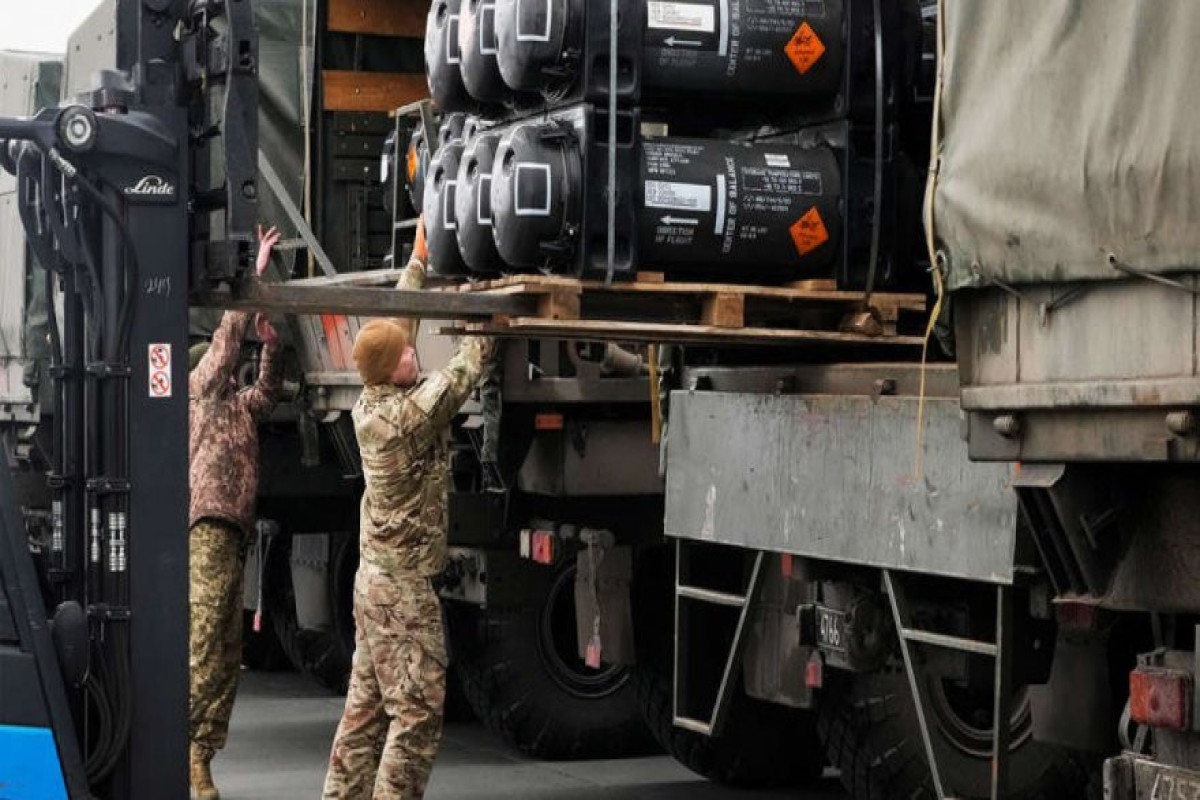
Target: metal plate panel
{"points": [[12, 305], [1115, 330], [91, 48], [832, 477], [1122, 330]]}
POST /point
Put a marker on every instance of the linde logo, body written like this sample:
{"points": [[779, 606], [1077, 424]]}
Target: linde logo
{"points": [[151, 186]]}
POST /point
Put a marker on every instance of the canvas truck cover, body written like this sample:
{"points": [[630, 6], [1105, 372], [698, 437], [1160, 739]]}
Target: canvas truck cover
{"points": [[1069, 130]]}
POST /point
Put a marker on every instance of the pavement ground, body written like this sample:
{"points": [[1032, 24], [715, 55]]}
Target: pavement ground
{"points": [[283, 725]]}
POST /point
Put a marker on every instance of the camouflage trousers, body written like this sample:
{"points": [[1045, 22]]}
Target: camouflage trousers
{"points": [[392, 723], [217, 558]]}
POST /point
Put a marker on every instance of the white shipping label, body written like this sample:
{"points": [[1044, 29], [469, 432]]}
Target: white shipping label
{"points": [[690, 17], [680, 196]]}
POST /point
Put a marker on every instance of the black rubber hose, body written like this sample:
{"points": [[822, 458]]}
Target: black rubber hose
{"points": [[97, 689], [132, 268], [95, 305]]}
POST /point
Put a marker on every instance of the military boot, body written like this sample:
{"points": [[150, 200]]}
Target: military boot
{"points": [[203, 787]]}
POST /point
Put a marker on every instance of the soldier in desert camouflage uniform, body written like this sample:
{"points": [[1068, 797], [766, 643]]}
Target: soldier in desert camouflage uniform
{"points": [[392, 723], [223, 441]]}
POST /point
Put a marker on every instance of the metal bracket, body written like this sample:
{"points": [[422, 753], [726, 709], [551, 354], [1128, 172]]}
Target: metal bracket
{"points": [[289, 206], [1126, 269], [1000, 650], [683, 592]]}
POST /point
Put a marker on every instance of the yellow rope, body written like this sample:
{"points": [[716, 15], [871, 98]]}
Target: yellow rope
{"points": [[655, 400], [930, 243]]}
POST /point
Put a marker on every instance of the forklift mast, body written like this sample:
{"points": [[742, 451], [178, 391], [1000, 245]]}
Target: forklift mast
{"points": [[126, 206]]}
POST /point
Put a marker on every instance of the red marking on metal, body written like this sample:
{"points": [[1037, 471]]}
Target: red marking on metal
{"points": [[1161, 698]]}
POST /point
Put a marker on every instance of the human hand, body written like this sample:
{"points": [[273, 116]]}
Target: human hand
{"points": [[265, 330], [266, 242], [420, 248]]}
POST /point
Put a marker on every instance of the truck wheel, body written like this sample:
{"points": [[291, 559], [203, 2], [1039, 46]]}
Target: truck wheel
{"points": [[522, 676], [318, 654], [763, 745], [869, 726]]}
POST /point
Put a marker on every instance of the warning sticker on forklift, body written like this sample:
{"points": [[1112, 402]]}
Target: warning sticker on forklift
{"points": [[678, 196], [158, 361], [689, 17], [809, 232], [805, 48]]}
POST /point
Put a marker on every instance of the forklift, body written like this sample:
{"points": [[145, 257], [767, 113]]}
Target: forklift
{"points": [[129, 203]]}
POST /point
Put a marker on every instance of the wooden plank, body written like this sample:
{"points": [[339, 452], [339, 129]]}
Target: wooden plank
{"points": [[528, 283], [814, 284], [724, 310], [347, 90], [559, 304], [650, 277], [378, 17], [286, 298], [597, 330]]}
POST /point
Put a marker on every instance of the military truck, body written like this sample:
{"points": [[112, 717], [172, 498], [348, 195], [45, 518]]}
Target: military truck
{"points": [[981, 576]]}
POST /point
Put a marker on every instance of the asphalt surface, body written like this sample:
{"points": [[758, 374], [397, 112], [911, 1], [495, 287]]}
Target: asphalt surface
{"points": [[283, 726]]}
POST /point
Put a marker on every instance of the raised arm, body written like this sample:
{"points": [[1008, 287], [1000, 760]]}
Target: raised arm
{"points": [[413, 277], [218, 363], [262, 396], [444, 392]]}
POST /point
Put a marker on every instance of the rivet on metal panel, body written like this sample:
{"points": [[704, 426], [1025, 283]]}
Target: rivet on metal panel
{"points": [[1007, 425], [1181, 423]]}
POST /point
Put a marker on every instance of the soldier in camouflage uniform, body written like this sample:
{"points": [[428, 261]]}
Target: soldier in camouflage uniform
{"points": [[392, 723], [223, 441]]}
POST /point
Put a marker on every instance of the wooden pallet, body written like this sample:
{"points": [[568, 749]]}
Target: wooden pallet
{"points": [[651, 309]]}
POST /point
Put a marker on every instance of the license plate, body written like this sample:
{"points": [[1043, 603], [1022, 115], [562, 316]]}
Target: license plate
{"points": [[831, 629], [1164, 783]]}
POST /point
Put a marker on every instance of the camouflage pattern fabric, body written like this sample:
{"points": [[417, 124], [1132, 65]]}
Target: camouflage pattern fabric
{"points": [[217, 555], [492, 399], [392, 725], [402, 439], [223, 426]]}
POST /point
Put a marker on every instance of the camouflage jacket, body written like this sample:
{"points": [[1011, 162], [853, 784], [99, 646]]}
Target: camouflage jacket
{"points": [[223, 426], [402, 438]]}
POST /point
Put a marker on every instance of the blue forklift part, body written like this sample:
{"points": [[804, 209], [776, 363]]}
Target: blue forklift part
{"points": [[29, 766]]}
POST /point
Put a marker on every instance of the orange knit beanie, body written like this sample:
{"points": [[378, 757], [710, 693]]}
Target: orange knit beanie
{"points": [[377, 350]]}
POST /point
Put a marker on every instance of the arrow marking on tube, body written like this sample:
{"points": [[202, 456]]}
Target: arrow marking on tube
{"points": [[671, 41], [669, 220]]}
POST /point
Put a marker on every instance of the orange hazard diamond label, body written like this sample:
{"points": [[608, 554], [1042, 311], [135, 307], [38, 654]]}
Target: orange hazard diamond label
{"points": [[805, 48], [808, 232]]}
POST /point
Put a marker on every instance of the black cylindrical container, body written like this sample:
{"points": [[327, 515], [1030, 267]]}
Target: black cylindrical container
{"points": [[388, 174], [452, 127], [742, 47], [416, 167], [443, 57], [478, 46], [739, 49], [473, 204], [440, 220], [740, 212], [537, 195], [538, 41]]}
